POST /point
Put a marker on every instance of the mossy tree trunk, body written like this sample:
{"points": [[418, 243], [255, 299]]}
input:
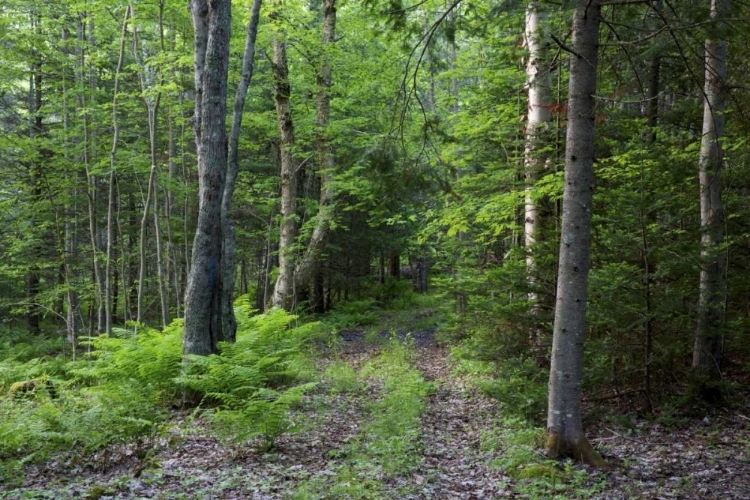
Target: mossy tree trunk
{"points": [[202, 305]]}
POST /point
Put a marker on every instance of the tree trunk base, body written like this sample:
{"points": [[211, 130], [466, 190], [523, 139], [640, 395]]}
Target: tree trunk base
{"points": [[579, 449]]}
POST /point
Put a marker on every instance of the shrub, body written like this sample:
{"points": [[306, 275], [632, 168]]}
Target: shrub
{"points": [[521, 388]]}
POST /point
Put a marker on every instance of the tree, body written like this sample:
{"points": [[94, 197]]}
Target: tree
{"points": [[228, 245], [709, 343], [307, 267], [203, 325], [565, 434], [536, 154], [283, 292]]}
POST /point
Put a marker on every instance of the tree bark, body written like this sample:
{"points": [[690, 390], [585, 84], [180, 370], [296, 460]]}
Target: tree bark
{"points": [[536, 156], [307, 267], [229, 326], [708, 350], [112, 176], [283, 293], [565, 434], [203, 326]]}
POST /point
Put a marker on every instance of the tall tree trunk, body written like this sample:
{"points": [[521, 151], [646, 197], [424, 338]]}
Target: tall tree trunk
{"points": [[536, 156], [36, 130], [307, 267], [565, 434], [91, 190], [212, 23], [229, 326], [112, 179], [708, 350], [152, 110], [283, 293]]}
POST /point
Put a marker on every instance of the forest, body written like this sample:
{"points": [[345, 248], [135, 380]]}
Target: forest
{"points": [[377, 249]]}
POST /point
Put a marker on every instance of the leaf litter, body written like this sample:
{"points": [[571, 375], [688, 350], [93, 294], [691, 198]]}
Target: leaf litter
{"points": [[707, 459]]}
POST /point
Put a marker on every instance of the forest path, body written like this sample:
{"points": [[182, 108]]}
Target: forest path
{"points": [[454, 464], [457, 448]]}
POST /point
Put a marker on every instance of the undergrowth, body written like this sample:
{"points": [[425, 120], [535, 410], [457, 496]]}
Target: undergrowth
{"points": [[122, 391], [389, 444]]}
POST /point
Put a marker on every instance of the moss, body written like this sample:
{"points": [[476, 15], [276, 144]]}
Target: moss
{"points": [[32, 386], [580, 449], [97, 491], [539, 471]]}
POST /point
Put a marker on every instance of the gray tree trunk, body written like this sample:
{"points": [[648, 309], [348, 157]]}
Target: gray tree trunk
{"points": [[229, 326], [112, 179], [708, 350], [308, 265], [283, 293], [212, 23], [565, 434]]}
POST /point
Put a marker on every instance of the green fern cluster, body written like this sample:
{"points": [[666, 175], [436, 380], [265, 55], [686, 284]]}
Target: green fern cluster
{"points": [[122, 390], [250, 382]]}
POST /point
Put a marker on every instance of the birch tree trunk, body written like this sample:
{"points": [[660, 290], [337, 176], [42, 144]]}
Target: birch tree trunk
{"points": [[228, 319], [308, 265], [539, 86], [203, 325], [565, 434], [708, 350], [283, 293]]}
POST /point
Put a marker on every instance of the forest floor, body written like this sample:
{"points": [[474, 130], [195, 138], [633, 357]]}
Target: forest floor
{"points": [[462, 449]]}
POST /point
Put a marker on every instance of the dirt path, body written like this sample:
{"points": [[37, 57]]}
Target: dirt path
{"points": [[455, 467], [705, 461]]}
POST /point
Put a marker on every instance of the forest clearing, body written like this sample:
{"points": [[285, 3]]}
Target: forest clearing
{"points": [[306, 249]]}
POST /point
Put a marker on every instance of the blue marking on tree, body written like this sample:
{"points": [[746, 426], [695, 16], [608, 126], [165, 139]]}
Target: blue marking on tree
{"points": [[211, 273]]}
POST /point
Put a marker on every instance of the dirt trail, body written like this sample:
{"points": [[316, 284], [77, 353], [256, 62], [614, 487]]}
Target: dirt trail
{"points": [[711, 460], [454, 465]]}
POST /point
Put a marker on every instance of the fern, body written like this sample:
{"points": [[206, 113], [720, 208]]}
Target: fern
{"points": [[250, 380]]}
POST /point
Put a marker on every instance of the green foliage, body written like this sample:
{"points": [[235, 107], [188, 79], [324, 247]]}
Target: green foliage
{"points": [[393, 434], [249, 380], [341, 377], [264, 414], [150, 359], [521, 387], [352, 314], [120, 392], [390, 442], [518, 447]]}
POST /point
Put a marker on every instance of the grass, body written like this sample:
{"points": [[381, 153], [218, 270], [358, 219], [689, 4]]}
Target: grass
{"points": [[389, 445]]}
